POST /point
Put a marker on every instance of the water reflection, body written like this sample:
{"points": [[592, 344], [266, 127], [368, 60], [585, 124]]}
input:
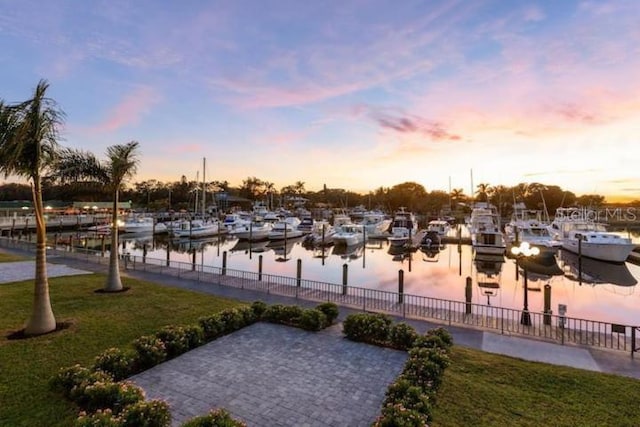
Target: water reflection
{"points": [[437, 274]]}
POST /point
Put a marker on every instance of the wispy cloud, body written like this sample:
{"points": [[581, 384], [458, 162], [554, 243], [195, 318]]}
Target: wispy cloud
{"points": [[434, 130], [129, 111]]}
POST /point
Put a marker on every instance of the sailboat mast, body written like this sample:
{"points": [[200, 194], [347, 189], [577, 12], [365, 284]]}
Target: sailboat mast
{"points": [[195, 206], [204, 186]]}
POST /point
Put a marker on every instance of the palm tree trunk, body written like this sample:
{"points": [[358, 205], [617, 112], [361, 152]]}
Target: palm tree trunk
{"points": [[114, 284], [42, 319]]}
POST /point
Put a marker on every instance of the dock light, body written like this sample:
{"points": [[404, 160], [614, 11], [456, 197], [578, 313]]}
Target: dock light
{"points": [[525, 250]]}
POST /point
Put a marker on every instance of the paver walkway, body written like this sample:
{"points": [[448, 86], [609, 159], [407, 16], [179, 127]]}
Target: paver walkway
{"points": [[274, 375]]}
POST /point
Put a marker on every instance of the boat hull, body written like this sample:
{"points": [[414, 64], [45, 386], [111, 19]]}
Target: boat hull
{"points": [[600, 251]]}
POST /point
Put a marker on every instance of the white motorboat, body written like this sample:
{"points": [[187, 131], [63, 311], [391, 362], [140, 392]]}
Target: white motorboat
{"points": [[349, 235], [403, 228], [254, 231], [143, 224], [439, 226], [285, 229], [235, 219], [526, 225], [579, 233], [376, 224], [197, 228], [484, 227], [306, 224], [321, 234]]}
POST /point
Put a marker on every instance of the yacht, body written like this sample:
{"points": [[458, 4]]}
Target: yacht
{"points": [[306, 224], [235, 219], [285, 229], [197, 228], [349, 235], [143, 224], [254, 231], [578, 232], [376, 224], [403, 228], [527, 226], [321, 234], [439, 226], [484, 227]]}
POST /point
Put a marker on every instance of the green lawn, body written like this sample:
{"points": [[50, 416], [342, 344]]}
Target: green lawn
{"points": [[480, 389], [483, 389], [98, 321], [6, 257]]}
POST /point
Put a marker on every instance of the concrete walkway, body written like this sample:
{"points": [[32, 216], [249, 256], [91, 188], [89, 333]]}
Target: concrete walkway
{"points": [[25, 270]]}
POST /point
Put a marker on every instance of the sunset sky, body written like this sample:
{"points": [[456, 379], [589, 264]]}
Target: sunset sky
{"points": [[351, 94]]}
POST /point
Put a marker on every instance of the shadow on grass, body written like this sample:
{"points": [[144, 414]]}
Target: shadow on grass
{"points": [[20, 335]]}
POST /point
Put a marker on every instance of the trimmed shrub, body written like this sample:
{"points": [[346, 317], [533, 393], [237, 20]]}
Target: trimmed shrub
{"points": [[398, 416], [150, 351], [68, 380], [174, 339], [410, 396], [195, 336], [215, 418], [367, 327], [312, 320], [402, 336], [444, 336], [150, 413], [248, 316], [212, 327], [231, 320], [284, 314], [258, 308], [116, 362], [425, 367], [101, 418], [330, 310], [109, 395]]}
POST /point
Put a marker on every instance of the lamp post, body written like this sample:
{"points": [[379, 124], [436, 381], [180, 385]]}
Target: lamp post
{"points": [[525, 251]]}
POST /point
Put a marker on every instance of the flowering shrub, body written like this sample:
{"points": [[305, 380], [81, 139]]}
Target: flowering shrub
{"points": [[312, 320], [174, 339], [330, 310], [150, 413], [72, 377], [231, 319], [101, 418], [435, 338], [397, 415], [425, 367], [402, 336], [248, 316], [195, 336], [215, 418], [150, 352], [109, 395], [367, 327], [115, 362], [410, 395]]}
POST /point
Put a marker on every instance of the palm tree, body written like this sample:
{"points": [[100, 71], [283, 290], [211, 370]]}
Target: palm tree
{"points": [[121, 164], [483, 192], [28, 148]]}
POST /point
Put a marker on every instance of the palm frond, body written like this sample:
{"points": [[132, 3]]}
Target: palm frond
{"points": [[79, 166], [123, 161]]}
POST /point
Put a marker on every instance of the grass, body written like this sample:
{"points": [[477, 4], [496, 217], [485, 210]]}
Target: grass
{"points": [[98, 321], [6, 257], [484, 389], [480, 389]]}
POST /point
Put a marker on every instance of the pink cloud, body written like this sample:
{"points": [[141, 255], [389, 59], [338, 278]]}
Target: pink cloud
{"points": [[129, 111]]}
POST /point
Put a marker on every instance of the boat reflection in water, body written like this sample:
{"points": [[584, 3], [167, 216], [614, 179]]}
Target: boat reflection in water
{"points": [[282, 248], [247, 246], [349, 252], [488, 274], [595, 272]]}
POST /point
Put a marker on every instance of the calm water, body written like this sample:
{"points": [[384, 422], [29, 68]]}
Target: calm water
{"points": [[608, 291]]}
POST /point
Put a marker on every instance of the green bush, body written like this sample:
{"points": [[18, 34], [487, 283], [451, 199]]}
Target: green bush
{"points": [[116, 362], [410, 396], [215, 418], [312, 320], [398, 416], [330, 310], [425, 367], [195, 336], [284, 314], [248, 316], [402, 336], [174, 339], [258, 308], [444, 336], [367, 327], [231, 319], [150, 351], [212, 326], [67, 380], [150, 413], [109, 395], [101, 418]]}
